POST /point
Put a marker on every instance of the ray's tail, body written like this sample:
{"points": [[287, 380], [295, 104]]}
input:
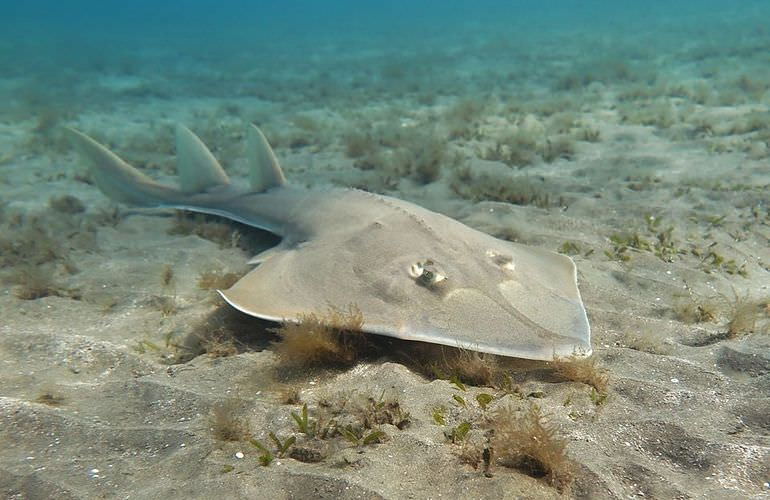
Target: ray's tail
{"points": [[199, 172]]}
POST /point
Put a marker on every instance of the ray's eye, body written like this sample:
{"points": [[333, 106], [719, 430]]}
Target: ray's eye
{"points": [[426, 274]]}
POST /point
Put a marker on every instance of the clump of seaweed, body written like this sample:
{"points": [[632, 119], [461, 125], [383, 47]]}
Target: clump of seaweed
{"points": [[690, 310], [290, 395], [217, 280], [50, 398], [748, 316], [425, 161], [661, 242], [227, 424], [587, 133], [660, 113], [712, 261], [558, 147], [518, 190], [532, 445], [332, 339], [531, 140], [471, 367], [167, 276], [37, 282], [224, 332], [517, 149], [166, 304], [462, 118], [649, 340], [395, 151], [475, 454], [375, 412], [359, 144], [584, 370], [357, 420], [66, 204], [207, 227], [27, 242], [219, 343]]}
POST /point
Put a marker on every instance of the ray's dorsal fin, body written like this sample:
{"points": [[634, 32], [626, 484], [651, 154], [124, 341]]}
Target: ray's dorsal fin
{"points": [[198, 169], [264, 170]]}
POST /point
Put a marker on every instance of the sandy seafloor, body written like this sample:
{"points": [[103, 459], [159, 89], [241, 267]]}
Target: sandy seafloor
{"points": [[660, 143]]}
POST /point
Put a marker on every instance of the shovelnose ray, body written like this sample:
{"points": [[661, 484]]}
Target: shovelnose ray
{"points": [[414, 274]]}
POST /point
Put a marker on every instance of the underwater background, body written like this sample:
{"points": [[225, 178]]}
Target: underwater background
{"points": [[439, 48], [632, 136]]}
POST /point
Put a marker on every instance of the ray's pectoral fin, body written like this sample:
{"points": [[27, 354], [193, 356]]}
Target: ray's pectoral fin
{"points": [[291, 280], [276, 290]]}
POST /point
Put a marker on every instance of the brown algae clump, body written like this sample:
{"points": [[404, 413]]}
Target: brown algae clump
{"points": [[334, 338], [584, 370], [529, 443]]}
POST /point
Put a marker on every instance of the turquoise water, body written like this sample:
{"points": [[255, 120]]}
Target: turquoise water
{"points": [[39, 34]]}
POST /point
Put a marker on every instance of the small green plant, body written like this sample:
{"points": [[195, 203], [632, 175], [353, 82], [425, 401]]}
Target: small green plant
{"points": [[303, 421], [484, 399], [142, 346], [382, 411], [439, 415], [715, 220], [618, 253], [266, 457], [458, 433], [597, 397], [360, 438], [665, 249], [282, 446], [659, 242], [460, 401], [455, 380], [508, 386], [732, 268], [712, 261], [569, 248]]}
